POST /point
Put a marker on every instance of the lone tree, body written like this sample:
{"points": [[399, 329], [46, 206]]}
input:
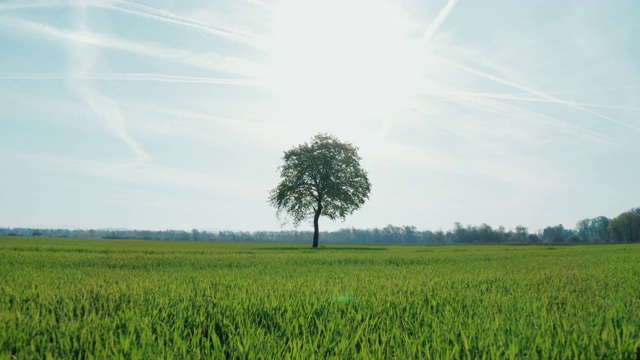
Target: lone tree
{"points": [[320, 178]]}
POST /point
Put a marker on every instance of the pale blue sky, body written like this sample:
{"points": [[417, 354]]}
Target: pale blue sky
{"points": [[175, 114]]}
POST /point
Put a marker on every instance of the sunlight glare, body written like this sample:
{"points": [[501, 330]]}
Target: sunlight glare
{"points": [[343, 64]]}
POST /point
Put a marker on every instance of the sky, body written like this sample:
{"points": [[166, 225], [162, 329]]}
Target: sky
{"points": [[175, 114]]}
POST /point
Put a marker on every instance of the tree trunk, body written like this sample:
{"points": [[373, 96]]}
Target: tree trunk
{"points": [[316, 233]]}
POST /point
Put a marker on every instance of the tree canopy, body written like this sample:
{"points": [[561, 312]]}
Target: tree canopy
{"points": [[626, 226], [320, 178]]}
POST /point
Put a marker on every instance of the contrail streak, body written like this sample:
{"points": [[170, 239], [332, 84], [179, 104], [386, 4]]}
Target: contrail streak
{"points": [[134, 77], [181, 114], [32, 5], [210, 61], [238, 36], [82, 59], [534, 92], [541, 96], [483, 103], [252, 40], [437, 22], [114, 120], [524, 98]]}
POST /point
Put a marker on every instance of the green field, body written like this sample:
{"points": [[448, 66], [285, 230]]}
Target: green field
{"points": [[143, 299]]}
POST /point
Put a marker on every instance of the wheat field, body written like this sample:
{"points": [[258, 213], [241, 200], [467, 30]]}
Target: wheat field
{"points": [[144, 299]]}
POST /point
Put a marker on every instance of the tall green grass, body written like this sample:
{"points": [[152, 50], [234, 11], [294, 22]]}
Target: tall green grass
{"points": [[136, 299]]}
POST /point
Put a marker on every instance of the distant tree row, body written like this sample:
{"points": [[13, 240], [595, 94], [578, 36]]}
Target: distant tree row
{"points": [[622, 229]]}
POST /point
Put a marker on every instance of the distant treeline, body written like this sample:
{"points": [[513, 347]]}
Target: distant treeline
{"points": [[621, 229]]}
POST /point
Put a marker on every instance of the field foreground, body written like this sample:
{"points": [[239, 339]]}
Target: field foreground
{"points": [[143, 299]]}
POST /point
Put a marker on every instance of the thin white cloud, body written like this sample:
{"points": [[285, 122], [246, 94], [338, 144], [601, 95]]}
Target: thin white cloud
{"points": [[262, 131], [500, 165], [390, 153], [437, 22], [210, 61], [176, 178], [143, 173], [201, 125], [261, 4], [133, 77]]}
